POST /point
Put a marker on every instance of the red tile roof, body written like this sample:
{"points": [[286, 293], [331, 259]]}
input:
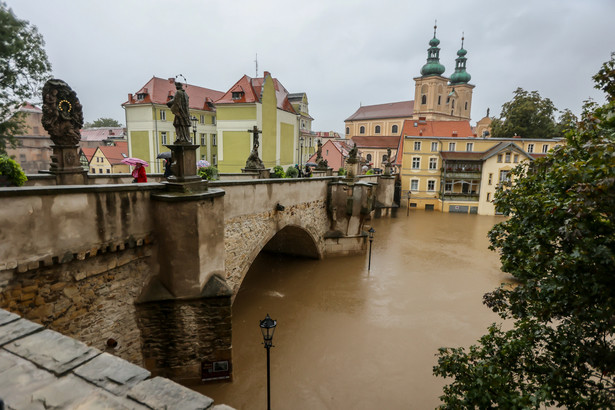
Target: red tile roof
{"points": [[88, 152], [102, 133], [388, 110], [376, 142], [27, 107], [415, 128], [114, 153], [159, 91], [327, 134], [252, 92]]}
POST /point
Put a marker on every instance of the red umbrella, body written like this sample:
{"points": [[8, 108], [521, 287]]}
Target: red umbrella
{"points": [[135, 161]]}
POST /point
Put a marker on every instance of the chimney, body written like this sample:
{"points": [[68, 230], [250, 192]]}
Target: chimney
{"points": [[172, 80], [420, 133], [454, 133], [266, 73], [130, 97]]}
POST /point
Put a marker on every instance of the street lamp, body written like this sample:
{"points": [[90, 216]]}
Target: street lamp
{"points": [[371, 238], [408, 205], [267, 328], [194, 121], [300, 152]]}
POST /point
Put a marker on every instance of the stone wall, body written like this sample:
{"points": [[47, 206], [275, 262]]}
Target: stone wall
{"points": [[91, 300]]}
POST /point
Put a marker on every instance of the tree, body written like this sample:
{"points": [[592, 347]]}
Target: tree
{"points": [[527, 115], [103, 122], [24, 68], [559, 244]]}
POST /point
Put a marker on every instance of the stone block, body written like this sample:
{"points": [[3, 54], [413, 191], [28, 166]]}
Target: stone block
{"points": [[14, 330], [18, 379], [58, 286], [162, 393], [7, 317], [112, 373], [33, 265], [11, 265], [60, 355], [64, 393], [23, 267]]}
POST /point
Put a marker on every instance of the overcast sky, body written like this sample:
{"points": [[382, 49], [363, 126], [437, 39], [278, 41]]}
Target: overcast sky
{"points": [[341, 53]]}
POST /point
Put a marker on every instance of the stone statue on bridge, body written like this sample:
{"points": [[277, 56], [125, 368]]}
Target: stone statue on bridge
{"points": [[254, 162], [62, 113], [180, 108]]}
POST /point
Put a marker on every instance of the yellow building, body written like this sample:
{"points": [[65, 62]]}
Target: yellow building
{"points": [[107, 159], [149, 121], [446, 168], [262, 102]]}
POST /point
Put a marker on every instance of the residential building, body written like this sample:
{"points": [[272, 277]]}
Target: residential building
{"points": [[307, 137], [374, 150], [149, 122], [446, 168], [335, 152], [33, 149], [262, 102], [107, 159], [93, 137]]}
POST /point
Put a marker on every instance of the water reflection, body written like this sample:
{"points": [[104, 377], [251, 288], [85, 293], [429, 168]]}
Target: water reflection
{"points": [[349, 339]]}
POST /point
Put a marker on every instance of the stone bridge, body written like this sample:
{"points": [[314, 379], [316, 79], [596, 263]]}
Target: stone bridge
{"points": [[154, 269]]}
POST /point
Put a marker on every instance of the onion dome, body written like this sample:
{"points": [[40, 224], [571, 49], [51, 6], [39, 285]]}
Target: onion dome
{"points": [[460, 76], [433, 66]]}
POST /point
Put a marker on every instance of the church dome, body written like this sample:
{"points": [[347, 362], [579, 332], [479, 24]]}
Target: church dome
{"points": [[460, 77], [434, 42], [432, 68]]}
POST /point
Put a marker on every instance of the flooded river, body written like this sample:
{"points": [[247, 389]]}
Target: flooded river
{"points": [[351, 339]]}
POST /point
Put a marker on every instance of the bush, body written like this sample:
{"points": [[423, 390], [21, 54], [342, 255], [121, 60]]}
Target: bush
{"points": [[370, 172], [292, 172], [12, 170], [210, 173], [278, 172]]}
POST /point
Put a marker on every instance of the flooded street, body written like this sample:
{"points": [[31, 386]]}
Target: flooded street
{"points": [[351, 339]]}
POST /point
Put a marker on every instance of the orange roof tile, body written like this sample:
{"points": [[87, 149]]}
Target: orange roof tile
{"points": [[416, 128], [159, 91], [102, 133], [388, 110], [88, 152], [115, 154], [376, 142], [252, 89]]}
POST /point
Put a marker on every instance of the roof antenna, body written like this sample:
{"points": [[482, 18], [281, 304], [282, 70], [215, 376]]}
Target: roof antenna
{"points": [[256, 62]]}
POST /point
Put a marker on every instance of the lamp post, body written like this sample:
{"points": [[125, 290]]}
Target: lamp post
{"points": [[267, 328], [300, 152], [194, 121], [371, 238], [408, 205]]}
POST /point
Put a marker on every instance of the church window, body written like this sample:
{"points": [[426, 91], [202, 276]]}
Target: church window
{"points": [[368, 157], [362, 130], [377, 130], [347, 130], [466, 106], [439, 99], [394, 129], [424, 99]]}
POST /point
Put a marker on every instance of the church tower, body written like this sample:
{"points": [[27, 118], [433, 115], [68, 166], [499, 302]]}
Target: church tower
{"points": [[435, 98]]}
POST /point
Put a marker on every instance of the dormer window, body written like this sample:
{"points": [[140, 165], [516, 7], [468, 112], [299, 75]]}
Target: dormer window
{"points": [[237, 95], [141, 96]]}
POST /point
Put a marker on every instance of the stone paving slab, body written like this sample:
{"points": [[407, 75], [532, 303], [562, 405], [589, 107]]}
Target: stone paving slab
{"points": [[17, 329], [52, 351], [19, 378], [105, 401], [6, 317], [112, 373], [161, 393]]}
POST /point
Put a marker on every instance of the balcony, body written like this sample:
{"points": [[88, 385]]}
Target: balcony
{"points": [[460, 196]]}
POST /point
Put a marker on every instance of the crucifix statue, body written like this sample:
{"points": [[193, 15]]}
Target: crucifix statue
{"points": [[254, 162]]}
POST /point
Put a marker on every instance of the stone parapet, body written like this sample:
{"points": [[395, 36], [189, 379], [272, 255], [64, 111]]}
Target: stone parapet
{"points": [[69, 374]]}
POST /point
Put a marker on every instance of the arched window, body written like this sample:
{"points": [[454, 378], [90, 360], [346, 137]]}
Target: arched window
{"points": [[362, 130], [466, 106], [424, 99], [453, 104], [384, 158], [394, 129], [368, 157], [377, 130], [439, 99], [347, 130]]}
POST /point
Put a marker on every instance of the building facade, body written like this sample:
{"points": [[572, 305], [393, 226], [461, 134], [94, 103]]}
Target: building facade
{"points": [[33, 149], [149, 122], [107, 159], [444, 167]]}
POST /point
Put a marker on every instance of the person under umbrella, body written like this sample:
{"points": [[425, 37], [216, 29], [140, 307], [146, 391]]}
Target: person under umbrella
{"points": [[139, 174]]}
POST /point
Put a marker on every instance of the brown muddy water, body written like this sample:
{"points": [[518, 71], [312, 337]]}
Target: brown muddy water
{"points": [[351, 339]]}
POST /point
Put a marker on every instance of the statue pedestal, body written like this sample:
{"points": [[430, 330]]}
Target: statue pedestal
{"points": [[184, 178], [353, 169], [66, 167], [263, 173]]}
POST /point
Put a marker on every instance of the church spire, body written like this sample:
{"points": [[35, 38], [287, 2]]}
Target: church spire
{"points": [[433, 66], [460, 76]]}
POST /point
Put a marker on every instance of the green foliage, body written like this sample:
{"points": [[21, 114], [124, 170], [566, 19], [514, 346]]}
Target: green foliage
{"points": [[210, 173], [559, 244], [341, 172], [103, 122], [292, 172], [11, 169], [24, 68], [369, 171], [278, 172], [527, 115]]}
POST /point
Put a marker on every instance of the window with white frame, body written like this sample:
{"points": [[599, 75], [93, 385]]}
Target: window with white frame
{"points": [[469, 146], [202, 119], [214, 159], [417, 145], [163, 115], [507, 157], [451, 146], [448, 186], [414, 185], [163, 137], [530, 148], [433, 163], [545, 148], [213, 120], [416, 162], [431, 185], [490, 181], [504, 176], [203, 139], [516, 158], [213, 140], [394, 129], [434, 146], [499, 157]]}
